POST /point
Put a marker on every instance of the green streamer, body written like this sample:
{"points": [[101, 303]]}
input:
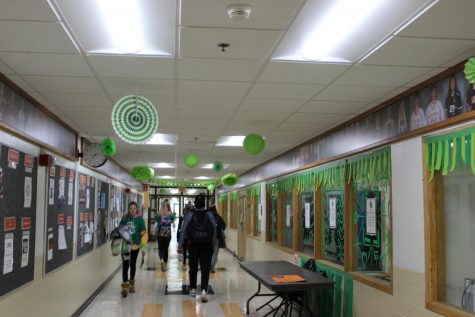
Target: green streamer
{"points": [[472, 152], [438, 162], [427, 154], [445, 167], [463, 148], [454, 155], [432, 161]]}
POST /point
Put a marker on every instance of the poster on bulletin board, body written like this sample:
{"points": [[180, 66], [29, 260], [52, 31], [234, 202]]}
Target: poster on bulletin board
{"points": [[102, 212], [117, 206], [85, 221], [59, 217], [18, 176]]}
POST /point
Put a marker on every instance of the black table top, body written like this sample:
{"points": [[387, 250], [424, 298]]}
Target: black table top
{"points": [[263, 271]]}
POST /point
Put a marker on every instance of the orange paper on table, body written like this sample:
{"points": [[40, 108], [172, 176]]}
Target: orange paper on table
{"points": [[287, 278]]}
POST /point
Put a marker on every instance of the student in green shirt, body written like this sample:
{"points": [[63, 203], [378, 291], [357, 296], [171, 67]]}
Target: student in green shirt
{"points": [[130, 249]]}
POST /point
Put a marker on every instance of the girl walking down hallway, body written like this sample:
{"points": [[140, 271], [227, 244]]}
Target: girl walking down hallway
{"points": [[163, 229]]}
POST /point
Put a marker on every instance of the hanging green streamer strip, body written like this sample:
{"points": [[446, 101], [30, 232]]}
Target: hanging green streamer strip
{"points": [[454, 155], [446, 162]]}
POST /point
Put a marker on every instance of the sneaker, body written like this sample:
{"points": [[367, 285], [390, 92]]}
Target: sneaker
{"points": [[166, 266], [204, 296], [193, 292], [162, 266], [184, 268]]}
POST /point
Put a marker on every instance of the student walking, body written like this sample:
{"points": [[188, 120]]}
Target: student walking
{"points": [[163, 229], [130, 249], [188, 208], [220, 241], [199, 229]]}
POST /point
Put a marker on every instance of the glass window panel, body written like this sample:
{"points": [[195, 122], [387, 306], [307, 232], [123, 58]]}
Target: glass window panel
{"points": [[333, 225], [288, 219], [273, 216], [257, 215], [307, 214]]}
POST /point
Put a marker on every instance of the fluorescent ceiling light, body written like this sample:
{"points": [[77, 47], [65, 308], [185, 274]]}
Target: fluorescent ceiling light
{"points": [[203, 177], [162, 139], [141, 27], [161, 165], [235, 140], [173, 191], [210, 166], [191, 191], [166, 177], [343, 31]]}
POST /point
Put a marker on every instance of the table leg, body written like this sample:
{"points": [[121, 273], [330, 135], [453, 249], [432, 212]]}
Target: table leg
{"points": [[250, 298], [268, 303]]}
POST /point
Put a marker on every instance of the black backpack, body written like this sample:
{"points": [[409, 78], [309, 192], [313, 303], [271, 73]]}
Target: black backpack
{"points": [[200, 228]]}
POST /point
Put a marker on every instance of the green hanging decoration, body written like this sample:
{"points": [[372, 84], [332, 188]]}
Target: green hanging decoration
{"points": [[108, 147], [211, 187], [229, 179], [218, 166], [162, 191], [234, 195], [191, 160], [254, 144], [142, 173], [469, 70], [223, 197], [254, 190]]}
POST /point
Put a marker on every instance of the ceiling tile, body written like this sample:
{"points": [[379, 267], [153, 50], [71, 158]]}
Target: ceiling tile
{"points": [[218, 69], [353, 93], [202, 103], [18, 80], [133, 67], [266, 14], [392, 94], [458, 13], [319, 106], [425, 76], [245, 44], [317, 118], [301, 73], [26, 10], [204, 115], [420, 52], [271, 104], [41, 64], [284, 91], [380, 75], [5, 70], [86, 112], [127, 86], [221, 89], [68, 85], [75, 100], [159, 101], [34, 37], [271, 116]]}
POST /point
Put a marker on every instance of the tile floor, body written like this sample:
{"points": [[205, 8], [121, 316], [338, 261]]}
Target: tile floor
{"points": [[232, 287]]}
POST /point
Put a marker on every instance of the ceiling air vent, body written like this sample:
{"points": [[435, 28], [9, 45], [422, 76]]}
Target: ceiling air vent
{"points": [[238, 12]]}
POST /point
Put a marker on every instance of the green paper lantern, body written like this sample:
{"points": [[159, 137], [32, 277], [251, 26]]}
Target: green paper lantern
{"points": [[162, 191], [211, 187], [142, 173], [469, 70], [108, 147], [218, 166], [192, 160], [254, 144], [229, 179]]}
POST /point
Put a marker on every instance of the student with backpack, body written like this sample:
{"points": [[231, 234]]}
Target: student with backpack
{"points": [[220, 242], [199, 229], [188, 208], [163, 229]]}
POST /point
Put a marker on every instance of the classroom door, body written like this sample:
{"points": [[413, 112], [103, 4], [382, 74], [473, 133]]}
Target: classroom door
{"points": [[242, 227]]}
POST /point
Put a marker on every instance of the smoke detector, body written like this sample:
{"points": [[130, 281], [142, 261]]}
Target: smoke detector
{"points": [[238, 12]]}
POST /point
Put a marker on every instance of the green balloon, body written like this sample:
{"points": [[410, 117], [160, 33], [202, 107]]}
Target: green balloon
{"points": [[211, 187], [218, 166], [192, 160], [108, 147], [254, 144], [142, 173], [229, 179]]}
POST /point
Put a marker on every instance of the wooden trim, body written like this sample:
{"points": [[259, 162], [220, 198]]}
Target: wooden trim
{"points": [[440, 241], [447, 310], [351, 228], [318, 223], [255, 217], [373, 282], [332, 264], [297, 220], [248, 229], [268, 212]]}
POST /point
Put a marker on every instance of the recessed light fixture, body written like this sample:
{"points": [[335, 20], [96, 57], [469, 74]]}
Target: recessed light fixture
{"points": [[203, 177], [238, 12], [191, 191], [162, 139], [173, 191], [210, 166], [166, 177], [234, 140], [161, 165]]}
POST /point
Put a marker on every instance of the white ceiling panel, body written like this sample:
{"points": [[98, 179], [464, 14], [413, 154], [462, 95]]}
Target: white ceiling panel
{"points": [[369, 75], [353, 93], [127, 86], [305, 73], [85, 112], [271, 104], [41, 64], [393, 93], [68, 85], [200, 103], [457, 13], [18, 80], [159, 101], [272, 116], [220, 89], [5, 70], [302, 126], [284, 91], [75, 100], [218, 69], [133, 67], [204, 115], [251, 123], [34, 37], [419, 52], [320, 106], [235, 128], [429, 74], [31, 10], [245, 44], [460, 58], [315, 117], [266, 14]]}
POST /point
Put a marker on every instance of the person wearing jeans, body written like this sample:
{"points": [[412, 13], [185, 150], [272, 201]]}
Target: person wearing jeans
{"points": [[220, 227]]}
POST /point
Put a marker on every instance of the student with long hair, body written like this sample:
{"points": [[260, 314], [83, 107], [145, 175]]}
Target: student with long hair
{"points": [[453, 101], [163, 229]]}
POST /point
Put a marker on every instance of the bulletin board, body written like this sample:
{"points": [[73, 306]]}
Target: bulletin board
{"points": [[60, 202], [85, 221], [334, 227], [117, 206], [18, 176], [102, 212]]}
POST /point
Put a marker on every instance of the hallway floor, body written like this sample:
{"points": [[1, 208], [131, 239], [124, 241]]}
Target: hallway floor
{"points": [[232, 287]]}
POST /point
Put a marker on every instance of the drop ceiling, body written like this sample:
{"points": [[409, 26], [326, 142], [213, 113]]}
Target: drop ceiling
{"points": [[202, 93]]}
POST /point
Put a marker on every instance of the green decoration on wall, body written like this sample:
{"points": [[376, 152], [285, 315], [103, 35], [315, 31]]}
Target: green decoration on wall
{"points": [[254, 144], [229, 179], [223, 197], [234, 195], [469, 70], [162, 191], [254, 190], [191, 160], [211, 187], [218, 166], [134, 119], [108, 147], [142, 173]]}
